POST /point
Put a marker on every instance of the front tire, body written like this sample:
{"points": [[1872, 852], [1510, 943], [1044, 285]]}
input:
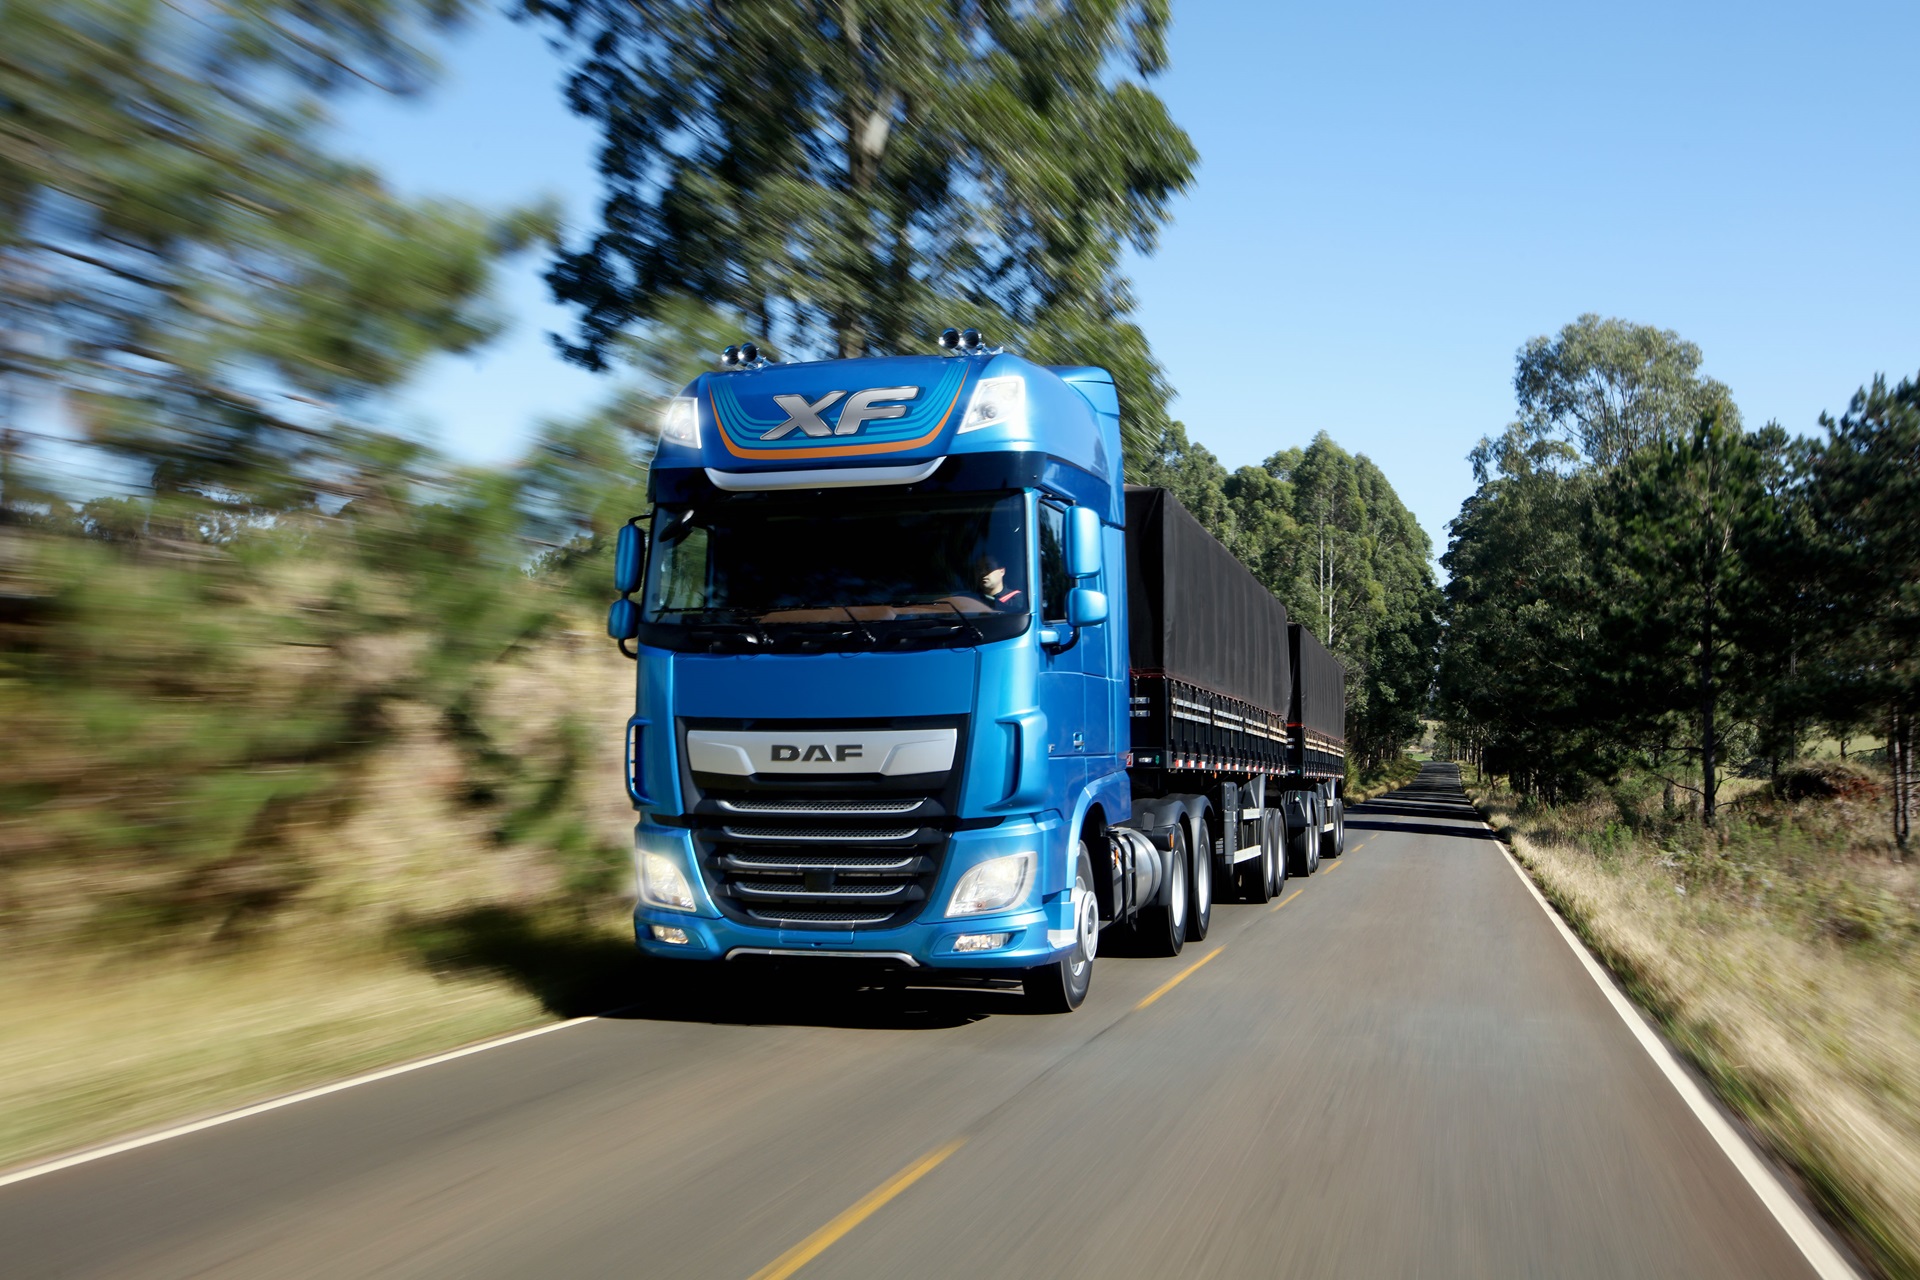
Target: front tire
{"points": [[1061, 987]]}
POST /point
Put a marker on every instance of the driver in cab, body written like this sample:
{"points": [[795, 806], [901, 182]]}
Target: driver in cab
{"points": [[990, 582]]}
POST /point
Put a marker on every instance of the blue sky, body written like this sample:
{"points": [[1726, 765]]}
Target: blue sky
{"points": [[1391, 199]]}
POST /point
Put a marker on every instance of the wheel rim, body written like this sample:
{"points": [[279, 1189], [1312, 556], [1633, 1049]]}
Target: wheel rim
{"points": [[1086, 926]]}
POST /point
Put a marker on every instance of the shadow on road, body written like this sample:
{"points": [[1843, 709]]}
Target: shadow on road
{"points": [[573, 971], [1418, 828]]}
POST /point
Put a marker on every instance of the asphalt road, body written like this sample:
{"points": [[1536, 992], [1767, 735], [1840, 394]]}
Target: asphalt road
{"points": [[1400, 1071]]}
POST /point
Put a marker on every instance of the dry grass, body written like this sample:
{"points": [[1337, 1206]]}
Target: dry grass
{"points": [[426, 918], [94, 1050], [1785, 961]]}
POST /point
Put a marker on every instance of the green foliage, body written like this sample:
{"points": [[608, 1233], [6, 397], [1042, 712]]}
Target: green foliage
{"points": [[853, 178], [208, 292], [1633, 588]]}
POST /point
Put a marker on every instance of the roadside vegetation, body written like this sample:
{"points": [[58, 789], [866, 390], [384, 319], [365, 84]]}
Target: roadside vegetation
{"points": [[1780, 951], [1660, 624]]}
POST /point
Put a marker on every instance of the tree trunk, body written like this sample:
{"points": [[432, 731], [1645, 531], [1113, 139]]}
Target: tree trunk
{"points": [[1900, 757]]}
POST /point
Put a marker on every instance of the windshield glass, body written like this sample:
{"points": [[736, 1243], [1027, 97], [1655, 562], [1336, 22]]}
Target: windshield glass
{"points": [[950, 567]]}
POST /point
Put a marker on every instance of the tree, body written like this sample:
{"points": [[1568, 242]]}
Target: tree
{"points": [[1607, 387], [1864, 501], [1681, 530], [851, 177], [183, 267]]}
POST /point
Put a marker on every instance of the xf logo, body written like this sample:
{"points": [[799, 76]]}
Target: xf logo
{"points": [[862, 407]]}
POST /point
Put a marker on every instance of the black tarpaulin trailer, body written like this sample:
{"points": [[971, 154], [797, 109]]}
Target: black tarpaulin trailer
{"points": [[1208, 646], [1317, 716]]}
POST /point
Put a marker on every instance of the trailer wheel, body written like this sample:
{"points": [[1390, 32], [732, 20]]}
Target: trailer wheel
{"points": [[1200, 903], [1162, 928], [1303, 852], [1276, 856], [1062, 986], [1334, 843], [1256, 877]]}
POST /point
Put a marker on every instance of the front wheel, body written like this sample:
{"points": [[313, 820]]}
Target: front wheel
{"points": [[1061, 987]]}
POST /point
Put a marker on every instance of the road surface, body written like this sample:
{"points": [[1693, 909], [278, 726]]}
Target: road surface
{"points": [[1399, 1071]]}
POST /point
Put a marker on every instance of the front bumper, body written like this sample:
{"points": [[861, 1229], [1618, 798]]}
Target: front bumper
{"points": [[1039, 931]]}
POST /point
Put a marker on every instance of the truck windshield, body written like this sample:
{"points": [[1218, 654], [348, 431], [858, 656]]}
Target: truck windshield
{"points": [[839, 571]]}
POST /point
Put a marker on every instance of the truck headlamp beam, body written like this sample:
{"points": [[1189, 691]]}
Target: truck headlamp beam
{"points": [[680, 424], [994, 885], [996, 401], [662, 882]]}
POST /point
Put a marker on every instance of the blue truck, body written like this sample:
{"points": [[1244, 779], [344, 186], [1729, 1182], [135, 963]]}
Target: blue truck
{"points": [[923, 683]]}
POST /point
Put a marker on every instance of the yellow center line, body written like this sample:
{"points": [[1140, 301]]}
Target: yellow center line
{"points": [[1335, 867], [1284, 901], [823, 1239], [1179, 978]]}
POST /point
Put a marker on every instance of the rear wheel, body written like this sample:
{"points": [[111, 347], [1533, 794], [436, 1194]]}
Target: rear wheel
{"points": [[1303, 851], [1163, 929], [1256, 877], [1276, 854], [1334, 842], [1062, 986], [1200, 904]]}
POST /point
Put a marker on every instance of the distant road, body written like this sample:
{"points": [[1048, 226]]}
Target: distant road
{"points": [[1400, 1071]]}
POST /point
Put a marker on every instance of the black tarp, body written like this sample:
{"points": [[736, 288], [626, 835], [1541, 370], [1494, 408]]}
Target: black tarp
{"points": [[1197, 614], [1322, 686]]}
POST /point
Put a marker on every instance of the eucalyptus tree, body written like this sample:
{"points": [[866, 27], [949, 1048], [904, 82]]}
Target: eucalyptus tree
{"points": [[850, 177], [1605, 387]]}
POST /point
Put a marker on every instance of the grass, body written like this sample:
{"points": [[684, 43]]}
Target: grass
{"points": [[96, 1050], [1782, 954]]}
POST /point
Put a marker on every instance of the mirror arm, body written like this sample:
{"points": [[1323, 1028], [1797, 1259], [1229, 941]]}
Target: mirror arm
{"points": [[633, 655], [1050, 638]]}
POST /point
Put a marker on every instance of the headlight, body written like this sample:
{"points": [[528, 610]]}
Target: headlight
{"points": [[662, 883], [994, 885], [996, 401], [680, 424]]}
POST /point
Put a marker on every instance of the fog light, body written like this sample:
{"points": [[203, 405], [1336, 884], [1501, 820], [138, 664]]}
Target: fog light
{"points": [[667, 933], [981, 941]]}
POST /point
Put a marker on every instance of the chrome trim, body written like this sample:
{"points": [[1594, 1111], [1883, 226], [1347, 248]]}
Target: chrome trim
{"points": [[823, 809], [910, 962], [822, 478]]}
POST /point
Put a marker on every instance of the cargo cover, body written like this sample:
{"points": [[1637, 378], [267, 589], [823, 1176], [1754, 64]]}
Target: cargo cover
{"points": [[1322, 708], [1196, 614]]}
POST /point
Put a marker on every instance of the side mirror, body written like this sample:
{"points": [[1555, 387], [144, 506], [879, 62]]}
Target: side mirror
{"points": [[629, 558], [623, 619], [1083, 543], [1086, 607]]}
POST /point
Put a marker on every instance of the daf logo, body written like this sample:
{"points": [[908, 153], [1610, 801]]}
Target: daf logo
{"points": [[784, 752], [861, 408]]}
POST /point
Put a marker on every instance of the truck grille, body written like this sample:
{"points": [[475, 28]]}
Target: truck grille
{"points": [[829, 851]]}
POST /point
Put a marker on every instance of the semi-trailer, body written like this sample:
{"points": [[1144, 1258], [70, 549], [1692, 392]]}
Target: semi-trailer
{"points": [[922, 683]]}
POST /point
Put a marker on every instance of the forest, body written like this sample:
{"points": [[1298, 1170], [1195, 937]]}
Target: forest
{"points": [[1641, 582]]}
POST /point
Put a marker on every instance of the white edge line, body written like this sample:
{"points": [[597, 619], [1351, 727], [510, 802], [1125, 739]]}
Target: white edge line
{"points": [[1787, 1211], [274, 1104]]}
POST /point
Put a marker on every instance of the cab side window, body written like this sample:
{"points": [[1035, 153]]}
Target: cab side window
{"points": [[1054, 582]]}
